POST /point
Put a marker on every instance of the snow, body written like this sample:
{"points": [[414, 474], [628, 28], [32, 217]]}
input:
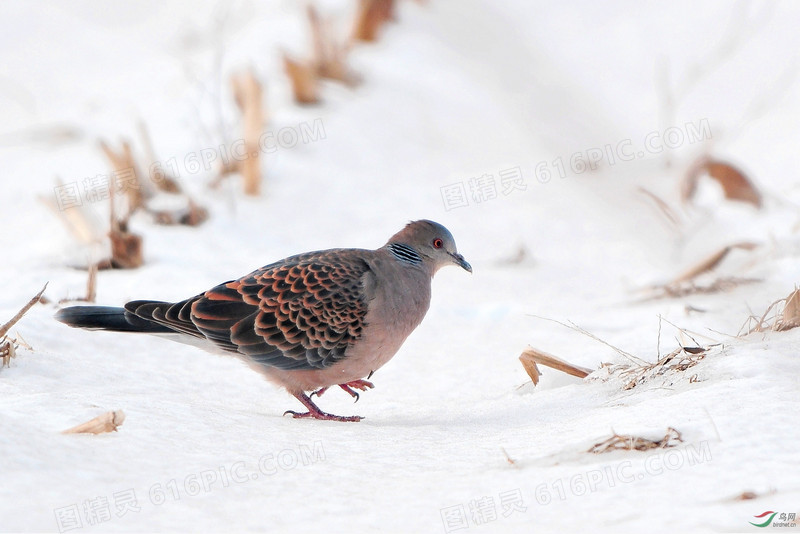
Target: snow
{"points": [[453, 91]]}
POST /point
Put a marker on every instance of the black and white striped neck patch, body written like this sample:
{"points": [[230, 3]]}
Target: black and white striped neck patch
{"points": [[405, 253]]}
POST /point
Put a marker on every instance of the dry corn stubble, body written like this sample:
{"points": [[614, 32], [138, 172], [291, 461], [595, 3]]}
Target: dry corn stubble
{"points": [[8, 346], [107, 422], [248, 93], [679, 360], [370, 17], [329, 58], [622, 442], [303, 77], [785, 319], [635, 372], [530, 357]]}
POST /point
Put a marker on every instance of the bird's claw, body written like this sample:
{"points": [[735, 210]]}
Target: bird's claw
{"points": [[318, 392]]}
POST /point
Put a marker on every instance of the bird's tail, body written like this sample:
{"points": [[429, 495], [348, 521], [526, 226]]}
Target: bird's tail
{"points": [[108, 318]]}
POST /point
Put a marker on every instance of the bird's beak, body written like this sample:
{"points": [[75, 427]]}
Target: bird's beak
{"points": [[459, 260]]}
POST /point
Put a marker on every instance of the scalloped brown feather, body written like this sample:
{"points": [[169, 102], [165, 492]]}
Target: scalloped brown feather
{"points": [[302, 312]]}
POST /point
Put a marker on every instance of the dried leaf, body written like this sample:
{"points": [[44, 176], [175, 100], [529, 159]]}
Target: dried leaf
{"points": [[712, 261], [694, 350], [790, 317], [107, 422], [735, 184]]}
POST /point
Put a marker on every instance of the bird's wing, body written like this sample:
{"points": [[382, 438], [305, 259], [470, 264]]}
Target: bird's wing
{"points": [[300, 313]]}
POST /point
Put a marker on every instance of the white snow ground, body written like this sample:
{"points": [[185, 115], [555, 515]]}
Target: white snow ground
{"points": [[455, 90]]}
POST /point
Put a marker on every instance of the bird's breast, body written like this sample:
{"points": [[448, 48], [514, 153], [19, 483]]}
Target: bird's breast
{"points": [[394, 311]]}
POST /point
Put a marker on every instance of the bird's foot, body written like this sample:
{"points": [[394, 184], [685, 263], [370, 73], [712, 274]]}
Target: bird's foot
{"points": [[324, 416], [362, 385], [315, 413]]}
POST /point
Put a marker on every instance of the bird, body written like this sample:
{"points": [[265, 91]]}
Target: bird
{"points": [[307, 322]]}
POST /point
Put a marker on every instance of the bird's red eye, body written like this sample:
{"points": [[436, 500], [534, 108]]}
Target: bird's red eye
{"points": [[438, 243]]}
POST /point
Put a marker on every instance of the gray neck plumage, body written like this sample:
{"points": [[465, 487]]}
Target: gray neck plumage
{"points": [[405, 253]]}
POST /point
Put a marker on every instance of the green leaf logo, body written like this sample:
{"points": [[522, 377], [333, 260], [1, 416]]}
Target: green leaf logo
{"points": [[767, 522]]}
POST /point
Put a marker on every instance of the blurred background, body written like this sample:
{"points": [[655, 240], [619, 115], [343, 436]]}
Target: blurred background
{"points": [[445, 93]]}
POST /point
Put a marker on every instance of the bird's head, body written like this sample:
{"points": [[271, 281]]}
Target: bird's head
{"points": [[429, 243]]}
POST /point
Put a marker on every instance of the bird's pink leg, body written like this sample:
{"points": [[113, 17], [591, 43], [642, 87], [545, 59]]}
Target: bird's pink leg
{"points": [[315, 413]]}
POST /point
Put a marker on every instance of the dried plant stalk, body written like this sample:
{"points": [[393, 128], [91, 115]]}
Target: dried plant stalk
{"points": [[790, 317], [7, 351], [663, 207], [126, 247], [619, 442], [370, 17], [163, 181], [786, 319], [676, 290], [679, 360], [91, 283], [107, 422], [330, 56], [530, 367], [125, 166], [530, 357], [6, 327], [248, 93], [303, 77]]}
